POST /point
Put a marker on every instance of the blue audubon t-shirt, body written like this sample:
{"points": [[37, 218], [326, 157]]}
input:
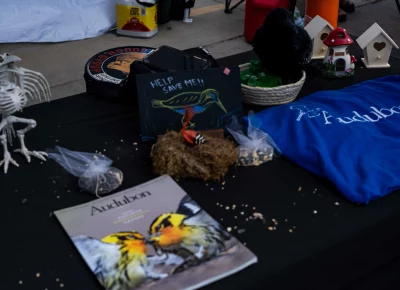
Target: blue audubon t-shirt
{"points": [[350, 136]]}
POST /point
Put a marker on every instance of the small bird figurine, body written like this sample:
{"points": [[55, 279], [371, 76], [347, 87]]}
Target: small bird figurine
{"points": [[119, 260], [199, 101], [192, 137], [189, 233]]}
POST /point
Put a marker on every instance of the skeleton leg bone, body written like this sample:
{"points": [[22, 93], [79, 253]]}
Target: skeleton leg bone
{"points": [[3, 140], [21, 135], [7, 157]]}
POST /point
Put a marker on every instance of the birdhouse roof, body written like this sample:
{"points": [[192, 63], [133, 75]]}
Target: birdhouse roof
{"points": [[333, 38], [370, 34], [316, 25]]}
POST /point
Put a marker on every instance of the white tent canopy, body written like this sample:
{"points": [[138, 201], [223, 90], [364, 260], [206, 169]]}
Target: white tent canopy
{"points": [[54, 20]]}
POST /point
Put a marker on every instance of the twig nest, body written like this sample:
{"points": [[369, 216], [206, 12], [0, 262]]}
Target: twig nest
{"points": [[208, 161]]}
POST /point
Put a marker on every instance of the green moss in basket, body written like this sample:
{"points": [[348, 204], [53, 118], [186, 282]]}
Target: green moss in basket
{"points": [[256, 67], [256, 76]]}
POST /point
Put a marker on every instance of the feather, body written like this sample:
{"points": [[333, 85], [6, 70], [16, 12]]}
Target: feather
{"points": [[196, 216], [188, 206]]}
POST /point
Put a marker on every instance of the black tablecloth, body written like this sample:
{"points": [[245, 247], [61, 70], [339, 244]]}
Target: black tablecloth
{"points": [[342, 246]]}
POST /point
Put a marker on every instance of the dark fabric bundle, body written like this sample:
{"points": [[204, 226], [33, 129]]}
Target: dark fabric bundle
{"points": [[283, 48]]}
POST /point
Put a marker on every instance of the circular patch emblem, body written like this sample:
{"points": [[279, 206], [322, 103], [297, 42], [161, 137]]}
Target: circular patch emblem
{"points": [[113, 65]]}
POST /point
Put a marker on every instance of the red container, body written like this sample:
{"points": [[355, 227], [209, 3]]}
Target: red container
{"points": [[256, 11]]}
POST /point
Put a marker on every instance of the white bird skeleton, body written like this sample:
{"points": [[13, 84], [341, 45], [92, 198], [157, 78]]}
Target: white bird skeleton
{"points": [[16, 86]]}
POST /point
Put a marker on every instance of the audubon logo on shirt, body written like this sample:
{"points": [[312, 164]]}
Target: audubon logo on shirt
{"points": [[373, 116]]}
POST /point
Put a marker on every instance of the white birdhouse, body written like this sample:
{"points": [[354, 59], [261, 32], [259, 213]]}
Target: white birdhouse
{"points": [[318, 29], [377, 46]]}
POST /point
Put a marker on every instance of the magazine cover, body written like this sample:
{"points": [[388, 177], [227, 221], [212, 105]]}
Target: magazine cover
{"points": [[153, 236]]}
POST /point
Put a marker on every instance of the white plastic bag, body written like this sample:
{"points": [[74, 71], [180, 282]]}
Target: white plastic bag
{"points": [[94, 170], [255, 148]]}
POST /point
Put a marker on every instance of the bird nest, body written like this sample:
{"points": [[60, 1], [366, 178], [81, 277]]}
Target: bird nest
{"points": [[209, 161]]}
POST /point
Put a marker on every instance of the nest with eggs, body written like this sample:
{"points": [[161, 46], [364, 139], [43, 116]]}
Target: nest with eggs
{"points": [[209, 161]]}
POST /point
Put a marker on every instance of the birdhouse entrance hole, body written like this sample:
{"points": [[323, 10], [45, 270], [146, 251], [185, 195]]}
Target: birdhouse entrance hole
{"points": [[340, 65], [323, 36], [379, 45]]}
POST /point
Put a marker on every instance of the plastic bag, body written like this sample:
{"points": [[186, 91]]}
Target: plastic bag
{"points": [[94, 170], [255, 148]]}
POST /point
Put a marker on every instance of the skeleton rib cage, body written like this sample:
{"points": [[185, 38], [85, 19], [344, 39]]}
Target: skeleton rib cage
{"points": [[17, 85]]}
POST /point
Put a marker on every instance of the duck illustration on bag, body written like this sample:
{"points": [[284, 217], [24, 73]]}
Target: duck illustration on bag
{"points": [[198, 101]]}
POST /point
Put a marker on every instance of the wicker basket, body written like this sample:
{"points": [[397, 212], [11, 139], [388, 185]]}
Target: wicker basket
{"points": [[271, 96]]}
